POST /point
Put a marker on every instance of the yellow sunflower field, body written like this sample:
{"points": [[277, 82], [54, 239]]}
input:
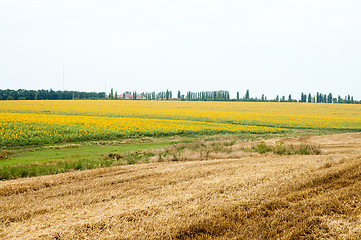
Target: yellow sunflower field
{"points": [[42, 122]]}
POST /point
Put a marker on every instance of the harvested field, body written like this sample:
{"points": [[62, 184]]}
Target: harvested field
{"points": [[257, 196]]}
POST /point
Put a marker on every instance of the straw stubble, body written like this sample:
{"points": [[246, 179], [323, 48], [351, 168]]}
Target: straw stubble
{"points": [[253, 197]]}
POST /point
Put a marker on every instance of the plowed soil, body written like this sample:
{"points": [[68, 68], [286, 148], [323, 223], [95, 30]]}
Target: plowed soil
{"points": [[258, 196]]}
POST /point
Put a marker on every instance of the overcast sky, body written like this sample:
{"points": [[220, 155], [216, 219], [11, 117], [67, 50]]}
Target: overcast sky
{"points": [[271, 47]]}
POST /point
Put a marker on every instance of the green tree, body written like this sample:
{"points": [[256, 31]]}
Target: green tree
{"points": [[329, 98], [303, 97], [246, 97], [111, 94]]}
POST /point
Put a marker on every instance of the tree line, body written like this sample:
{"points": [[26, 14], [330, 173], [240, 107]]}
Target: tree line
{"points": [[306, 98], [23, 94], [168, 95], [220, 95]]}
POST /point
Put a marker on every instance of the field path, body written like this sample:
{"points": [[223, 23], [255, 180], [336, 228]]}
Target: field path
{"points": [[179, 200]]}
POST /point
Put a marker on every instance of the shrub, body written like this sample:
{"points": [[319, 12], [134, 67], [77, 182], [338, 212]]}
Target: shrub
{"points": [[280, 148], [261, 148]]}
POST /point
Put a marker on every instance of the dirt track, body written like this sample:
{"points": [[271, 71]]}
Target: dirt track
{"points": [[254, 197]]}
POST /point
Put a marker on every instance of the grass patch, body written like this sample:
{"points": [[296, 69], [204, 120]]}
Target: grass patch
{"points": [[281, 149], [61, 159], [89, 152], [51, 159]]}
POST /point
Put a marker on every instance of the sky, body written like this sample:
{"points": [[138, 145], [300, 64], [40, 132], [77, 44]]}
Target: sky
{"points": [[269, 47]]}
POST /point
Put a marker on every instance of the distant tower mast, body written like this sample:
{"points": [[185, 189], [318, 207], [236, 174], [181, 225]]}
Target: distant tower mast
{"points": [[63, 77]]}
